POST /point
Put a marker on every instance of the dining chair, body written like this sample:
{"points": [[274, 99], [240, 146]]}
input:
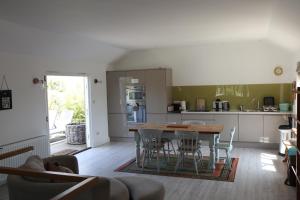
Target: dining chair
{"points": [[151, 144], [227, 146], [169, 142], [188, 143]]}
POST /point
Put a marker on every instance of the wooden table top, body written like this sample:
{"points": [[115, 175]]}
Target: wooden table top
{"points": [[205, 129]]}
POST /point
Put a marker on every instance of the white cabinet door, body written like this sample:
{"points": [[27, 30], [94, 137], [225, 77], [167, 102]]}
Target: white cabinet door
{"points": [[174, 118], [156, 118], [251, 128], [229, 121], [207, 118], [271, 124], [117, 126]]}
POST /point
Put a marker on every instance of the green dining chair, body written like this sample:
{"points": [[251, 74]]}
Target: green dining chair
{"points": [[227, 146]]}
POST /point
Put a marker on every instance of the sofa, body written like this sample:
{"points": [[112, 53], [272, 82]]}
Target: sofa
{"points": [[119, 188]]}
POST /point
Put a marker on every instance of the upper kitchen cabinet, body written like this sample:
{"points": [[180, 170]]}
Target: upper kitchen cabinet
{"points": [[115, 89], [158, 84], [136, 77]]}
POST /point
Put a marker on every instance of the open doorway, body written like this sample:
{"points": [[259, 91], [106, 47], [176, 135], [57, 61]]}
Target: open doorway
{"points": [[67, 98]]}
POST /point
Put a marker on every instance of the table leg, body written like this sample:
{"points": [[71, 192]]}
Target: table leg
{"points": [[217, 151], [212, 157], [138, 150]]}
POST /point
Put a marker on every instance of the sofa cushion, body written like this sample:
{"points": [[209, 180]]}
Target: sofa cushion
{"points": [[34, 163], [56, 167], [141, 188], [118, 191]]}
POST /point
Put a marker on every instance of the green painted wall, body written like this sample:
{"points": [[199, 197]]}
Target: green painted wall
{"points": [[247, 95]]}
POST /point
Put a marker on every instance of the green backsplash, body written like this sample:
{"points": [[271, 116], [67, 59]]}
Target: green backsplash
{"points": [[237, 95]]}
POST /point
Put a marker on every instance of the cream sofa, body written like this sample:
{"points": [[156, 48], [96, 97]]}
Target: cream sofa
{"points": [[119, 188]]}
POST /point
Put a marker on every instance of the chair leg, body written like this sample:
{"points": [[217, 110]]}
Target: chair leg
{"points": [[143, 159], [200, 157], [168, 150], [195, 163], [173, 147], [157, 160], [228, 160], [179, 158]]}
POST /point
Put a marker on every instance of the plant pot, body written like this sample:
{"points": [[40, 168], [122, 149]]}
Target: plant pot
{"points": [[75, 133]]}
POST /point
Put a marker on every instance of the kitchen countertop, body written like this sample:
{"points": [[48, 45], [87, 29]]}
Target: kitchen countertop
{"points": [[237, 112]]}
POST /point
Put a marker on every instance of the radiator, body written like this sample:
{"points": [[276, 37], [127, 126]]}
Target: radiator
{"points": [[41, 148]]}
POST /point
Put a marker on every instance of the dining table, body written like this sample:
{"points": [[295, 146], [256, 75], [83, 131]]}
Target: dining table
{"points": [[208, 132]]}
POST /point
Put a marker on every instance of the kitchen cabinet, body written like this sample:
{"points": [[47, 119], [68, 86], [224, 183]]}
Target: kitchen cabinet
{"points": [[136, 76], [117, 126], [271, 124], [116, 91], [158, 90], [156, 118], [229, 121], [174, 118], [251, 128], [207, 118]]}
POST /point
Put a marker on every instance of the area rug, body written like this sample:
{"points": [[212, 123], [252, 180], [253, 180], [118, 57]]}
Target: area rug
{"points": [[221, 173]]}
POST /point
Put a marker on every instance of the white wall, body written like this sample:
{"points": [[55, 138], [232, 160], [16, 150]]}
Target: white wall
{"points": [[36, 53], [220, 63]]}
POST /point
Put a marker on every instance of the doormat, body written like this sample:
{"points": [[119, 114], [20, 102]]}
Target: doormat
{"points": [[167, 168], [66, 152]]}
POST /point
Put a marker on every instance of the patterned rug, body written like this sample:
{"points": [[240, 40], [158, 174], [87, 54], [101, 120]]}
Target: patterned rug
{"points": [[221, 173]]}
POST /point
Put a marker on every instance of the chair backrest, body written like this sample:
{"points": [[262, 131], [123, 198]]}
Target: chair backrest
{"points": [[187, 140], [194, 122], [232, 131], [150, 137]]}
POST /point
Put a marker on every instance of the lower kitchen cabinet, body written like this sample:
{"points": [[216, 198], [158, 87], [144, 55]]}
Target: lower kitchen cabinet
{"points": [[156, 118], [207, 118], [271, 124], [174, 118], [229, 121], [117, 126], [251, 128]]}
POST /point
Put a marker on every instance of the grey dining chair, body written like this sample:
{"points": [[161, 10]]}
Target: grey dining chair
{"points": [[152, 145], [188, 143]]}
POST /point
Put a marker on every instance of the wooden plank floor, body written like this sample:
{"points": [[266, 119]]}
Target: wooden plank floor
{"points": [[260, 175]]}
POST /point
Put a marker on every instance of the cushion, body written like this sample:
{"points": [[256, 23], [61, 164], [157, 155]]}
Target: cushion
{"points": [[54, 166], [141, 188], [118, 191], [34, 163]]}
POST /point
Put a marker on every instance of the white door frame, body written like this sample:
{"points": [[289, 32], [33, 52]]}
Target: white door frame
{"points": [[87, 102]]}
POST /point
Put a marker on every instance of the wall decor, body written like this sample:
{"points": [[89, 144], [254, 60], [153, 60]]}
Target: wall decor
{"points": [[5, 96]]}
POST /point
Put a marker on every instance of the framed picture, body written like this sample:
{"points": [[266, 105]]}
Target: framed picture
{"points": [[5, 99]]}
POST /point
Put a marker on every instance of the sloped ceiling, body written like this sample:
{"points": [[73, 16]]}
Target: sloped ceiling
{"points": [[138, 24]]}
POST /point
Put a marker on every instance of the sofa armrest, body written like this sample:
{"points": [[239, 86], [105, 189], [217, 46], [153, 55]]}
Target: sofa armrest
{"points": [[21, 189], [65, 160]]}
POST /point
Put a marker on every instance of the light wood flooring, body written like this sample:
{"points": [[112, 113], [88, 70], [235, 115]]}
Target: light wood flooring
{"points": [[260, 175]]}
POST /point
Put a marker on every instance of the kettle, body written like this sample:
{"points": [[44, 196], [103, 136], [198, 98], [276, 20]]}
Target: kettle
{"points": [[225, 105]]}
